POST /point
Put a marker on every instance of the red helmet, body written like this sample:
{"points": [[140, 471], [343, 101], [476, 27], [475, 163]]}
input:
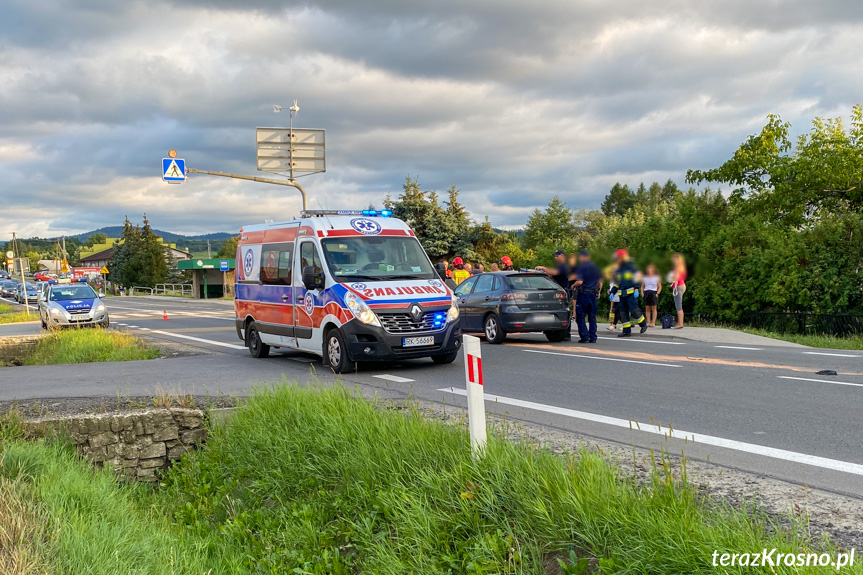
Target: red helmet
{"points": [[506, 260], [621, 254], [457, 261]]}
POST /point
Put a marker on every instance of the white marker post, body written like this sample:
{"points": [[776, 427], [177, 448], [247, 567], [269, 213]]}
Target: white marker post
{"points": [[475, 395]]}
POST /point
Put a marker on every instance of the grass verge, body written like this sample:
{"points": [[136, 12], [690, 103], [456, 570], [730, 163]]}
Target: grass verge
{"points": [[88, 346], [9, 315], [319, 481], [822, 341]]}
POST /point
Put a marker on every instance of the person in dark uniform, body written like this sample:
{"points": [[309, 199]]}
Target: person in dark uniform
{"points": [[562, 276], [627, 279], [588, 284], [442, 272]]}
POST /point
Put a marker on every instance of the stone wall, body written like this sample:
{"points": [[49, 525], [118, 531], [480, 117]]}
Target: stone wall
{"points": [[138, 445]]}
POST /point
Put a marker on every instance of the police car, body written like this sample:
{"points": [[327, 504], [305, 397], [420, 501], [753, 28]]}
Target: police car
{"points": [[349, 286], [76, 304]]}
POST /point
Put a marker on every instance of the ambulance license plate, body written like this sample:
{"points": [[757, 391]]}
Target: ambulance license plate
{"points": [[417, 341]]}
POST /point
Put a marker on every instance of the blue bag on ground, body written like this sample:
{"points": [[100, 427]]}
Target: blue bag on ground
{"points": [[667, 321]]}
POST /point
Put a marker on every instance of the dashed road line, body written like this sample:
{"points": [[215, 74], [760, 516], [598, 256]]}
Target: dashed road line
{"points": [[394, 378], [739, 347], [821, 380], [830, 354], [198, 339], [697, 438], [601, 358]]}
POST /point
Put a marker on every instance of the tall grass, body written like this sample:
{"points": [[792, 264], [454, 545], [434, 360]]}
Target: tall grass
{"points": [[324, 482], [309, 481], [87, 346], [21, 529], [16, 317]]}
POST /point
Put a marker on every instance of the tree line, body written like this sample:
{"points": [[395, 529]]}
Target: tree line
{"points": [[787, 236]]}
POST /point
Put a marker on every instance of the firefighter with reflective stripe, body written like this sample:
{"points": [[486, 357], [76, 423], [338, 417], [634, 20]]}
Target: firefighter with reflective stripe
{"points": [[460, 274], [627, 278]]}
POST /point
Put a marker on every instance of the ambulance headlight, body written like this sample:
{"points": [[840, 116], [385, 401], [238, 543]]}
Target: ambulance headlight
{"points": [[361, 311], [452, 314]]}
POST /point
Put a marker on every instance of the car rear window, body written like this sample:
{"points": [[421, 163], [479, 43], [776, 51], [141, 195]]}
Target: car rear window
{"points": [[531, 282]]}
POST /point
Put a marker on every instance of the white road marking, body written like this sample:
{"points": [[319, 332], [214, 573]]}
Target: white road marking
{"points": [[830, 354], [124, 324], [601, 358], [144, 328], [210, 341], [645, 340], [134, 326], [738, 347], [394, 378], [820, 380], [697, 438]]}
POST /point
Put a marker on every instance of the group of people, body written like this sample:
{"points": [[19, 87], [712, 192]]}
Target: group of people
{"points": [[651, 287], [461, 270], [583, 282]]}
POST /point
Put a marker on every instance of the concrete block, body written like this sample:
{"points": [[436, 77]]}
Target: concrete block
{"points": [[148, 463], [193, 436], [150, 451], [103, 438], [165, 432]]}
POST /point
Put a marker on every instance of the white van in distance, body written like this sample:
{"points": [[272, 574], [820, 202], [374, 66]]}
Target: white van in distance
{"points": [[349, 286]]}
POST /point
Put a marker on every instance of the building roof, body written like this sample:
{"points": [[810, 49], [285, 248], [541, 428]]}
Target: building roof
{"points": [[99, 256]]}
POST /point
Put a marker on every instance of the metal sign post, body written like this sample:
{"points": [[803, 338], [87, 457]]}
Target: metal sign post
{"points": [[20, 262]]}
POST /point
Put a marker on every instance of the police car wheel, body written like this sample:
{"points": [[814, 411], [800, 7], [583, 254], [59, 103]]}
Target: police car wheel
{"points": [[257, 348], [336, 353], [493, 331], [446, 358]]}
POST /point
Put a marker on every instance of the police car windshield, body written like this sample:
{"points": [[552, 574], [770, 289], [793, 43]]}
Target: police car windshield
{"points": [[66, 293], [377, 258]]}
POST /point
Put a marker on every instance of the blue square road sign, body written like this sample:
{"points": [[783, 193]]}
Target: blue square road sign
{"points": [[173, 170]]}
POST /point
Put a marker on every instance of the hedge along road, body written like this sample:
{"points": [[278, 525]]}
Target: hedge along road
{"points": [[760, 408]]}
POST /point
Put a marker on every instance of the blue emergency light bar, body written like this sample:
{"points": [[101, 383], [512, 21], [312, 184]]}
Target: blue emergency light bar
{"points": [[367, 213]]}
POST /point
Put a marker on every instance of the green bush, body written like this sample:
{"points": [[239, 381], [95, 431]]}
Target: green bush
{"points": [[88, 346]]}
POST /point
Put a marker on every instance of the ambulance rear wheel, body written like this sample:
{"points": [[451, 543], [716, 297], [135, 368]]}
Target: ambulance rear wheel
{"points": [[257, 348], [336, 353]]}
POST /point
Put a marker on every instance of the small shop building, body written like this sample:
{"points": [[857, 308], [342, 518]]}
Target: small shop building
{"points": [[211, 278]]}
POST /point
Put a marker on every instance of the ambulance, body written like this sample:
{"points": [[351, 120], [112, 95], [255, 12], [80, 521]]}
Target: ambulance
{"points": [[349, 286]]}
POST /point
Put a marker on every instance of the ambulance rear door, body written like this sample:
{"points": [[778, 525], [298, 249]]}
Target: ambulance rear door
{"points": [[276, 311]]}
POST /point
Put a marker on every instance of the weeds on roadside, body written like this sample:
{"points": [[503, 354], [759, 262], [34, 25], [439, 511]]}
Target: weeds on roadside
{"points": [[87, 346]]}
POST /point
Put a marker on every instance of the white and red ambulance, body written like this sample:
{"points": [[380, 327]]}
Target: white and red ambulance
{"points": [[349, 286]]}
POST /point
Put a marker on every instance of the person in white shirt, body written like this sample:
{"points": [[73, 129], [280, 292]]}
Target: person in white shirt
{"points": [[651, 287], [615, 307]]}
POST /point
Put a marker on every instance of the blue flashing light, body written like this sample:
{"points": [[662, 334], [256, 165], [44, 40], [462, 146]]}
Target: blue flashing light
{"points": [[386, 213], [370, 212], [83, 280], [439, 319]]}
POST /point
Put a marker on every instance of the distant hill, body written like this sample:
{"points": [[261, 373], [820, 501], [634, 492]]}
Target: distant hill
{"points": [[170, 237]]}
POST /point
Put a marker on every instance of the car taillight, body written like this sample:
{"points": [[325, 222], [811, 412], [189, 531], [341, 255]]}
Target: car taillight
{"points": [[560, 295], [512, 296]]}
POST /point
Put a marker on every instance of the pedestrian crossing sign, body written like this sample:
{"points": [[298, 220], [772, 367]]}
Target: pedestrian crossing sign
{"points": [[173, 170]]}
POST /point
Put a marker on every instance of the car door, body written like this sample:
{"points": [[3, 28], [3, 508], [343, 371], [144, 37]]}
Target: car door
{"points": [[480, 300], [462, 291], [307, 302]]}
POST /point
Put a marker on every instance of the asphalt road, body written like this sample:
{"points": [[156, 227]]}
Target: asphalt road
{"points": [[748, 403]]}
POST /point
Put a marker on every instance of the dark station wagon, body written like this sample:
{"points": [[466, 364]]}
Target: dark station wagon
{"points": [[498, 303]]}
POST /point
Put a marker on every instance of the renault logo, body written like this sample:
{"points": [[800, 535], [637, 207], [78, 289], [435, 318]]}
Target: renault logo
{"points": [[416, 312]]}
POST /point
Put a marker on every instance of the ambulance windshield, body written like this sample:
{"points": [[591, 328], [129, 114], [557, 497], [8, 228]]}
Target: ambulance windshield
{"points": [[377, 258]]}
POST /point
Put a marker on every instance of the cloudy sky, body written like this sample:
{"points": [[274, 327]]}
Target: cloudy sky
{"points": [[513, 102]]}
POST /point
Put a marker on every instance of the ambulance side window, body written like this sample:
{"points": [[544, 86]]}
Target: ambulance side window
{"points": [[309, 257], [276, 263]]}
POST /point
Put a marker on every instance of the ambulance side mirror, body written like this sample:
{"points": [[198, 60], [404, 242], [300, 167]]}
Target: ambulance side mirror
{"points": [[311, 279]]}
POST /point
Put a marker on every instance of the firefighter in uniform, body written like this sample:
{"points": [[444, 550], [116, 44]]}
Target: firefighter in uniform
{"points": [[460, 274], [627, 279]]}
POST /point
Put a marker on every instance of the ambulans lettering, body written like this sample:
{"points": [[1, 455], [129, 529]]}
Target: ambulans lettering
{"points": [[400, 291]]}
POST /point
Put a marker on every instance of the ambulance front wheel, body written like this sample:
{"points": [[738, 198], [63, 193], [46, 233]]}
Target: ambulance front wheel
{"points": [[336, 353], [257, 348]]}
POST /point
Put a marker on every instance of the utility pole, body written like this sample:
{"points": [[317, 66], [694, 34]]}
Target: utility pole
{"points": [[209, 251]]}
